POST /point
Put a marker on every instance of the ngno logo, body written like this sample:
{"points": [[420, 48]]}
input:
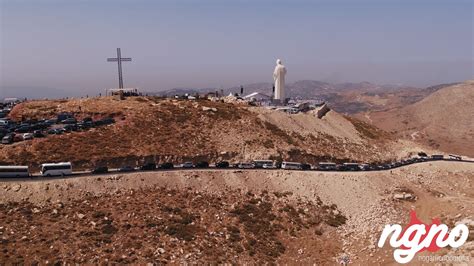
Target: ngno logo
{"points": [[418, 237]]}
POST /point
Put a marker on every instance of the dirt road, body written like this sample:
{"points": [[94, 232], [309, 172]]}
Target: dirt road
{"points": [[367, 199]]}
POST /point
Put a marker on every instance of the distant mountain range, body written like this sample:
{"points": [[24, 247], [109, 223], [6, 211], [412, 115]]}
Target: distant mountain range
{"points": [[305, 89], [349, 98], [22, 92], [443, 119]]}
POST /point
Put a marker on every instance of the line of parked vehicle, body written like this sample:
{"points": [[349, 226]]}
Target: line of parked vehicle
{"points": [[65, 168], [11, 131]]}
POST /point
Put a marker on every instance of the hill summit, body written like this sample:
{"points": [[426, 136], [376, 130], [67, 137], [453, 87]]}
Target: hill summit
{"points": [[152, 128]]}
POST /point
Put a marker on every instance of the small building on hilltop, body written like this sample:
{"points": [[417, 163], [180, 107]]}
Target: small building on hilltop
{"points": [[259, 98]]}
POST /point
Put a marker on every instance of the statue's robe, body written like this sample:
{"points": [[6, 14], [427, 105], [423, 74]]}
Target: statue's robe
{"points": [[279, 78]]}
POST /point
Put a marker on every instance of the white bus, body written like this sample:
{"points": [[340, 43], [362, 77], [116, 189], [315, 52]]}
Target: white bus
{"points": [[14, 171], [327, 166], [455, 157], [291, 165], [246, 165], [52, 169], [263, 163]]}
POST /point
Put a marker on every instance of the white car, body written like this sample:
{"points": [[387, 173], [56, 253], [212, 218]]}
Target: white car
{"points": [[27, 136], [187, 165]]}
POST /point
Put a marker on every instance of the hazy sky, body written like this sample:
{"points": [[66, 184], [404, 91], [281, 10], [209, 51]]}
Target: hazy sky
{"points": [[64, 44]]}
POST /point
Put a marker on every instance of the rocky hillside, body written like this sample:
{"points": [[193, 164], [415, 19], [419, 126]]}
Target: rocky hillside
{"points": [[444, 120], [150, 128], [174, 227]]}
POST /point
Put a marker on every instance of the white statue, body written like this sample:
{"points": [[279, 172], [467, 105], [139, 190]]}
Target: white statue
{"points": [[279, 78]]}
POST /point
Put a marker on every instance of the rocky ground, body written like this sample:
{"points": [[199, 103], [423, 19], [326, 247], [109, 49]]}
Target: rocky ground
{"points": [[169, 226], [228, 215]]}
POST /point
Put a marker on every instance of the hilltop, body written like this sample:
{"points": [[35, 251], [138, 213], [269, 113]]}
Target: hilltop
{"points": [[348, 97], [443, 120], [152, 128]]}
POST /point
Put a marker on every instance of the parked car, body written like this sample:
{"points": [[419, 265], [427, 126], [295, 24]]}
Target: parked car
{"points": [[422, 154], [63, 116], [364, 167], [107, 121], [4, 131], [39, 125], [87, 119], [100, 170], [148, 166], [202, 164], [305, 166], [84, 125], [8, 139], [69, 128], [98, 123], [27, 136], [55, 131], [51, 121], [23, 129], [166, 166], [187, 165], [350, 167], [222, 164], [373, 167], [126, 168], [38, 134], [69, 121]]}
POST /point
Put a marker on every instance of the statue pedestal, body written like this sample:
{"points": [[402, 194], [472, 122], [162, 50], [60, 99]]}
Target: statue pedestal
{"points": [[276, 102]]}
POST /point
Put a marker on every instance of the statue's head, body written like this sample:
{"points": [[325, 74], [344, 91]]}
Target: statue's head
{"points": [[278, 62]]}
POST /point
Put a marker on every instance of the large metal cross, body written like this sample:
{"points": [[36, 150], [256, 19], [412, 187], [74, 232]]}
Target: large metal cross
{"points": [[119, 59]]}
